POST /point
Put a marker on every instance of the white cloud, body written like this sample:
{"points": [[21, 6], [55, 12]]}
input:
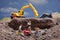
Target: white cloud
{"points": [[8, 9], [55, 13], [38, 1], [13, 3]]}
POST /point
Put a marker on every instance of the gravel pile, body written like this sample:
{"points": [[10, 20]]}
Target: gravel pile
{"points": [[7, 33]]}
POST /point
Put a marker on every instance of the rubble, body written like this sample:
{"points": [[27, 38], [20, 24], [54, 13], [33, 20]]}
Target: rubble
{"points": [[7, 33]]}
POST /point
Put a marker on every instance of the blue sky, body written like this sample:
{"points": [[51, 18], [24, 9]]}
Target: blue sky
{"points": [[47, 6]]}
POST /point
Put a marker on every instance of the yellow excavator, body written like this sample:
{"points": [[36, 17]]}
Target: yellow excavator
{"points": [[20, 13]]}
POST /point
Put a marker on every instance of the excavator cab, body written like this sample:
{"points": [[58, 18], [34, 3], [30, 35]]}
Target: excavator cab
{"points": [[20, 13]]}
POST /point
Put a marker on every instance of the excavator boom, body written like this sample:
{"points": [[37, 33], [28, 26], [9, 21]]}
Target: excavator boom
{"points": [[34, 10], [21, 11]]}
